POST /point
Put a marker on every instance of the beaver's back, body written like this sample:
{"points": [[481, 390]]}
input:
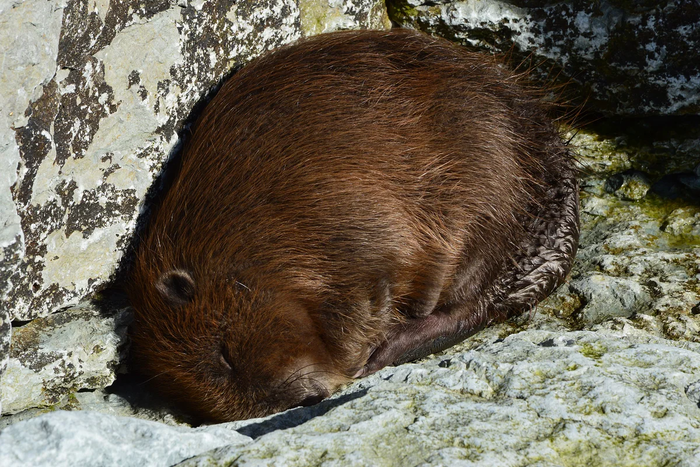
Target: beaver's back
{"points": [[325, 149]]}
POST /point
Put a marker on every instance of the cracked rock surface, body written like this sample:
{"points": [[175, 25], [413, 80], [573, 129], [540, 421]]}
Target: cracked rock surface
{"points": [[99, 439], [637, 258], [103, 92], [43, 369]]}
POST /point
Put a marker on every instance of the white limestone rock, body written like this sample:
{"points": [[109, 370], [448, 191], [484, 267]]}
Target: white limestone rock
{"points": [[101, 117], [534, 398], [55, 356], [94, 439], [637, 258], [319, 16]]}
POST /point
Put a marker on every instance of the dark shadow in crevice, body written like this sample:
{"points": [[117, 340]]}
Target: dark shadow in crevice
{"points": [[133, 388]]}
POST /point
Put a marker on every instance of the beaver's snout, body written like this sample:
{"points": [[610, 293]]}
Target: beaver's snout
{"points": [[305, 390]]}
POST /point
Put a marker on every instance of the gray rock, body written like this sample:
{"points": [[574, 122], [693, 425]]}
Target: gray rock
{"points": [[634, 58], [29, 39], [534, 398], [101, 120], [130, 404], [683, 222], [5, 338], [637, 258], [101, 440], [319, 16], [631, 185], [693, 392], [607, 296], [56, 356]]}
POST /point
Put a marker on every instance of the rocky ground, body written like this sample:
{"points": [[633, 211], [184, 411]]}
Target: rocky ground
{"points": [[613, 395]]}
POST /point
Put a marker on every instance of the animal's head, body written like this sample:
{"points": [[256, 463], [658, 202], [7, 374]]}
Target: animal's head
{"points": [[225, 350]]}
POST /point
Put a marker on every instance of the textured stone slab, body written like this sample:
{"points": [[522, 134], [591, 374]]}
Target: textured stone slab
{"points": [[319, 16], [618, 397], [637, 258], [93, 439], [112, 87], [55, 356], [536, 398], [632, 58]]}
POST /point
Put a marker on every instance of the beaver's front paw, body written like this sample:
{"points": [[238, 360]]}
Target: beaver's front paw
{"points": [[413, 339]]}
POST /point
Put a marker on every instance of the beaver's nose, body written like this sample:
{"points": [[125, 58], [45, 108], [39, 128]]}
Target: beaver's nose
{"points": [[313, 398], [307, 392], [307, 384]]}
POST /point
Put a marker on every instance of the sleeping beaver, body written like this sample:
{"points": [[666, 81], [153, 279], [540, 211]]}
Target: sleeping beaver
{"points": [[354, 200]]}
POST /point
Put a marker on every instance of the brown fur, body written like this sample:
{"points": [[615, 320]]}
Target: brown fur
{"points": [[332, 192]]}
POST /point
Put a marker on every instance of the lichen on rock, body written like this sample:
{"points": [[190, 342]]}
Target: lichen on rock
{"points": [[319, 16], [102, 123], [535, 397], [639, 256]]}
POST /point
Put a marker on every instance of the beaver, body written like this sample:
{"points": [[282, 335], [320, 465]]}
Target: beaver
{"points": [[351, 201]]}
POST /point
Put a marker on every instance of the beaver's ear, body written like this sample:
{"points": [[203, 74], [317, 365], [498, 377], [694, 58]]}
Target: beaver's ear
{"points": [[176, 287]]}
